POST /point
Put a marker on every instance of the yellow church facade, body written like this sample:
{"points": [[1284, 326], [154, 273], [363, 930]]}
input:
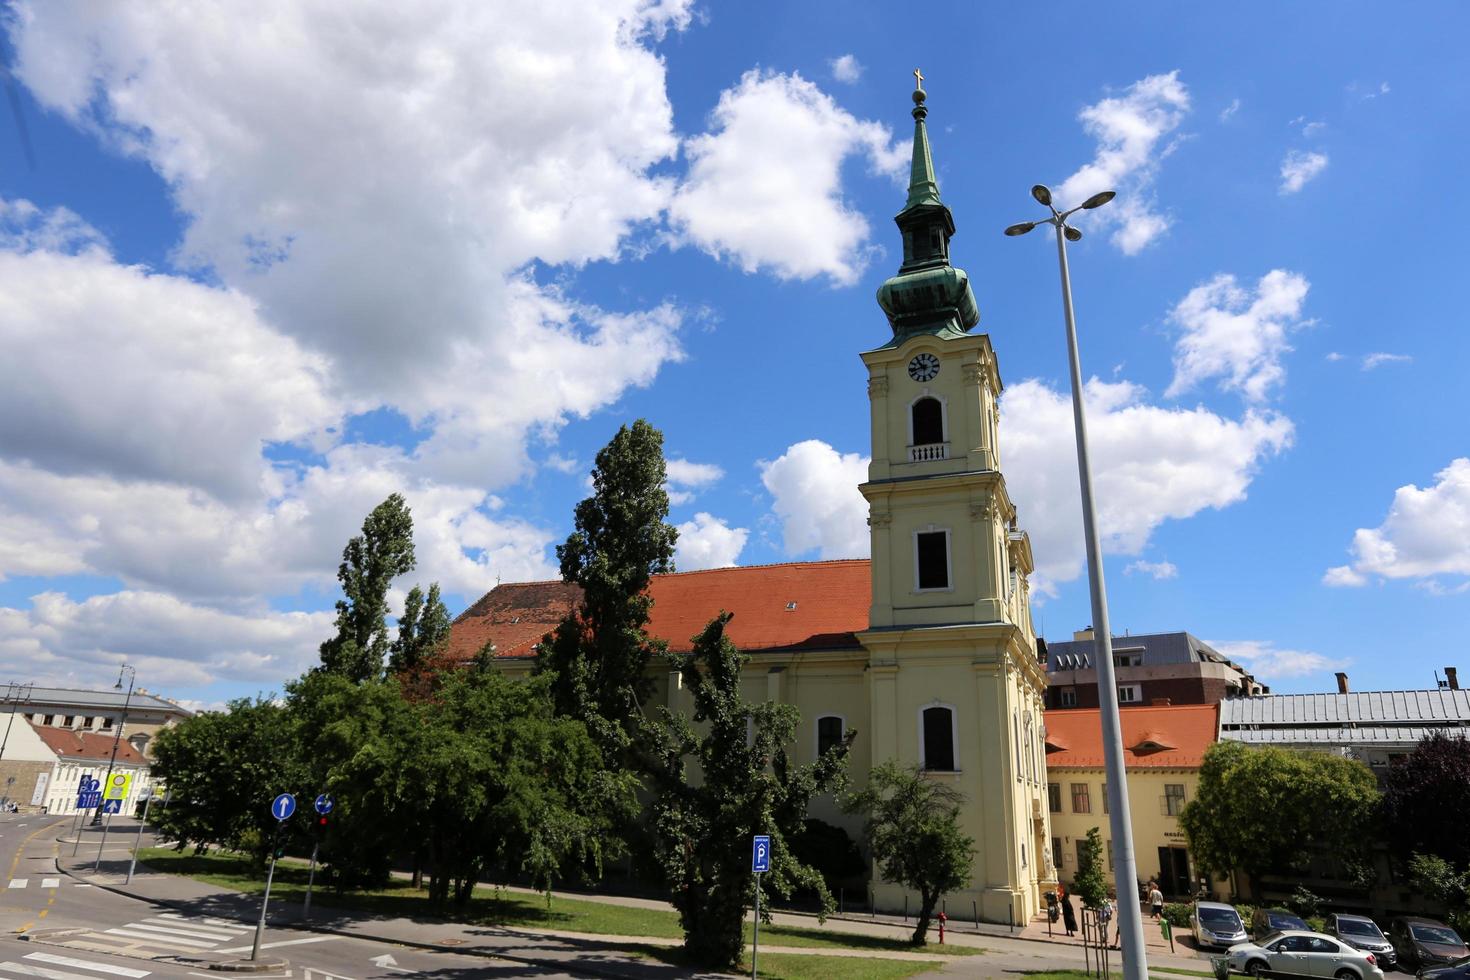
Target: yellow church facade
{"points": [[927, 649]]}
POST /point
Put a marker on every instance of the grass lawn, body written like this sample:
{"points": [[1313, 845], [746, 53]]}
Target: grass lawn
{"points": [[801, 966], [1081, 975], [1187, 973], [397, 898]]}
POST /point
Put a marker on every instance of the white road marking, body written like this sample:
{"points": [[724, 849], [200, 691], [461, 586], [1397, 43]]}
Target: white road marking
{"points": [[18, 882], [122, 971], [41, 971], [172, 933], [202, 932], [206, 920], [81, 885], [154, 939], [287, 942], [50, 882]]}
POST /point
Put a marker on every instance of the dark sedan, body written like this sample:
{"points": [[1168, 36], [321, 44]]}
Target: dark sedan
{"points": [[1425, 943], [1458, 970]]}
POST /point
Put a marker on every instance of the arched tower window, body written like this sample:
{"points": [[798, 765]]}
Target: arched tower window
{"points": [[936, 724], [928, 421]]}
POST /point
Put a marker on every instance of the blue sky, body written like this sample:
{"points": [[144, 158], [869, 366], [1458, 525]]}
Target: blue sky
{"points": [[272, 263]]}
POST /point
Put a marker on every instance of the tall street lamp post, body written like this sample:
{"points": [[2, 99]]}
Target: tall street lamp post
{"points": [[1125, 880], [117, 738]]}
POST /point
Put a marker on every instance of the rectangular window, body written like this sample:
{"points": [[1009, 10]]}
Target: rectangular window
{"points": [[1054, 796], [49, 720], [1129, 694], [829, 733], [938, 739], [1110, 854], [1173, 798], [933, 559], [1128, 658], [1081, 802], [1068, 697], [1105, 798], [66, 721], [107, 723], [1056, 852], [87, 722]]}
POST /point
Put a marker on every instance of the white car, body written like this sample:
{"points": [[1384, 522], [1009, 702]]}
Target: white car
{"points": [[1294, 952]]}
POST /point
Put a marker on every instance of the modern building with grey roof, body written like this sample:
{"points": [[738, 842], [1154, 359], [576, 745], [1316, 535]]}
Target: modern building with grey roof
{"points": [[1151, 668], [98, 711]]}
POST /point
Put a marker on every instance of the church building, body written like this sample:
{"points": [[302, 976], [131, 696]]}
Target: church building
{"points": [[927, 649]]}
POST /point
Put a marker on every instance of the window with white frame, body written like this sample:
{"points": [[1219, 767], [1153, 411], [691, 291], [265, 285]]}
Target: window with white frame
{"points": [[937, 728], [1129, 694], [931, 559], [1067, 696], [829, 733]]}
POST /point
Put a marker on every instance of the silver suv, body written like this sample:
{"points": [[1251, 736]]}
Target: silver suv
{"points": [[1361, 932], [1303, 954], [1216, 925]]}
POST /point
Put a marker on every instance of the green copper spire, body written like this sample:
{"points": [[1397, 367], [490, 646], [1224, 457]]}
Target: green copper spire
{"points": [[928, 296], [923, 188]]}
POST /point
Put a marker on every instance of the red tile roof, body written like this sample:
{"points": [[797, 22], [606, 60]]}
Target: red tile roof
{"points": [[89, 746], [801, 605], [1154, 737]]}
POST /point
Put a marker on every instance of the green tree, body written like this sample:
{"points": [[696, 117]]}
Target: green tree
{"points": [[222, 769], [370, 563], [1426, 797], [423, 631], [1261, 809], [913, 830], [601, 651], [1089, 883], [745, 784], [1444, 885]]}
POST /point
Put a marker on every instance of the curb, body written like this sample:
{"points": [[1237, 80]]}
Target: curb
{"points": [[561, 965], [247, 966]]}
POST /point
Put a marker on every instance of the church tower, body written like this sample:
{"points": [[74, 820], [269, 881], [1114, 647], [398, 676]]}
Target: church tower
{"points": [[953, 677]]}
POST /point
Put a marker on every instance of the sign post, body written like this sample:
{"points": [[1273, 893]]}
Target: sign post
{"points": [[281, 808], [89, 796], [139, 842], [323, 805], [113, 794], [760, 862]]}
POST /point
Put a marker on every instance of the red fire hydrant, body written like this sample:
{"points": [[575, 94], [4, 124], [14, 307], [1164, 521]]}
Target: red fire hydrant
{"points": [[942, 920]]}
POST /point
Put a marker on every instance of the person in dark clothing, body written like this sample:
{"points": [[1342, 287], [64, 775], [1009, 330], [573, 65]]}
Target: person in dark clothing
{"points": [[1069, 918]]}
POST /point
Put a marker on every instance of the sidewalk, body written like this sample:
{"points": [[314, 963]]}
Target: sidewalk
{"points": [[596, 954]]}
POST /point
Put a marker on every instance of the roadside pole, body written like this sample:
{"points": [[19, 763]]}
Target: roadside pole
{"points": [[139, 842], [106, 826], [760, 861], [323, 806], [114, 788], [281, 808], [310, 880]]}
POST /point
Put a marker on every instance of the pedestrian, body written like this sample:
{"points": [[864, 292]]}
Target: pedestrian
{"points": [[1155, 899], [1110, 904], [1069, 918]]}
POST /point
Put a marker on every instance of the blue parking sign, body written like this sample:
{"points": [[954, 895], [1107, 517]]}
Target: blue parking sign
{"points": [[760, 854]]}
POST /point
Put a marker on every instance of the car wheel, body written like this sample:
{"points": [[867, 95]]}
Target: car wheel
{"points": [[1346, 975], [1256, 968]]}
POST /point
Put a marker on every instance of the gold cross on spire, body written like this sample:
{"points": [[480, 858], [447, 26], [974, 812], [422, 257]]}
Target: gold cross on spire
{"points": [[918, 78]]}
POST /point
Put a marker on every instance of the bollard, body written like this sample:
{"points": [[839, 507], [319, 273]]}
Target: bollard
{"points": [[975, 910], [905, 908], [841, 900]]}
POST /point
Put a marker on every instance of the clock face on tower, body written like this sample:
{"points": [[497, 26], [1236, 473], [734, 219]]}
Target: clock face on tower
{"points": [[924, 367]]}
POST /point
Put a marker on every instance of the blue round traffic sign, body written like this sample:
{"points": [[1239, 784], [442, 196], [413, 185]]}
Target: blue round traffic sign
{"points": [[283, 806], [324, 804]]}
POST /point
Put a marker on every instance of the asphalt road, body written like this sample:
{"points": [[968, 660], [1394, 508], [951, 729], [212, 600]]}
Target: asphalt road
{"points": [[121, 938]]}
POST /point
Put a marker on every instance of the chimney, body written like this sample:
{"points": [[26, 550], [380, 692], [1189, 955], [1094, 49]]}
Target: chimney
{"points": [[1082, 634], [1342, 685], [1449, 675]]}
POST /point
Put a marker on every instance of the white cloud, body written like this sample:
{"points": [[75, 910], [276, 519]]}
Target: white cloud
{"points": [[1426, 534], [1334, 356], [1267, 661], [1129, 129], [764, 188], [1151, 464], [1379, 358], [686, 478], [1230, 110], [708, 542], [846, 68], [1158, 570], [562, 464], [170, 642], [816, 499], [1298, 167], [405, 273], [1313, 128], [1235, 334]]}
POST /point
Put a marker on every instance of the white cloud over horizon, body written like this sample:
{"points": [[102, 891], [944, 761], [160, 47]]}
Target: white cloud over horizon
{"points": [[814, 492], [1132, 131], [1425, 536], [1267, 661], [1237, 334], [708, 542]]}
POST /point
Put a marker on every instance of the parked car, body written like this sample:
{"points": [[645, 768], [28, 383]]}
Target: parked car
{"points": [[1361, 932], [1266, 921], [1425, 943], [1459, 970], [1216, 925], [1303, 954]]}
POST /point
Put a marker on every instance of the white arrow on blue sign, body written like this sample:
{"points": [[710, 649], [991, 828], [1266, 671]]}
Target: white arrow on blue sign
{"points": [[283, 806], [760, 854], [324, 804], [89, 800], [112, 806]]}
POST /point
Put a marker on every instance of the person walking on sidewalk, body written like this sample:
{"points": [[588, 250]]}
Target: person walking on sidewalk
{"points": [[1069, 918], [1155, 899]]}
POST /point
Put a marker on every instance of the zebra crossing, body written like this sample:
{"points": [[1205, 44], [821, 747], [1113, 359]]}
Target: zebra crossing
{"points": [[162, 934], [44, 883], [31, 965]]}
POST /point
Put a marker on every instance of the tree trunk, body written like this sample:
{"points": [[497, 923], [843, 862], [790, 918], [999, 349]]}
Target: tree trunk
{"points": [[926, 912], [418, 870]]}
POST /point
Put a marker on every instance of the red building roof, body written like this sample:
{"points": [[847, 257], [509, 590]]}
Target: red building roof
{"points": [[1154, 736], [802, 605], [72, 745]]}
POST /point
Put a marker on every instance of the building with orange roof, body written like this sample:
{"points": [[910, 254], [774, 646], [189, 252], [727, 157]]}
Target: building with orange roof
{"points": [[83, 753], [1163, 747], [927, 650]]}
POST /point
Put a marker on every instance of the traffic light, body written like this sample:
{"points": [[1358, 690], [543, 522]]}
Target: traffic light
{"points": [[321, 824], [280, 852]]}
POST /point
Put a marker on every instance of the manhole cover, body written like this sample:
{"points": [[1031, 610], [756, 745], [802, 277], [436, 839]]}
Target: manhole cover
{"points": [[449, 942]]}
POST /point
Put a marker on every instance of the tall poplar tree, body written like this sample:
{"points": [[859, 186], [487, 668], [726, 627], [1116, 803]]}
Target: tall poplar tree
{"points": [[423, 630], [370, 563], [601, 650]]}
